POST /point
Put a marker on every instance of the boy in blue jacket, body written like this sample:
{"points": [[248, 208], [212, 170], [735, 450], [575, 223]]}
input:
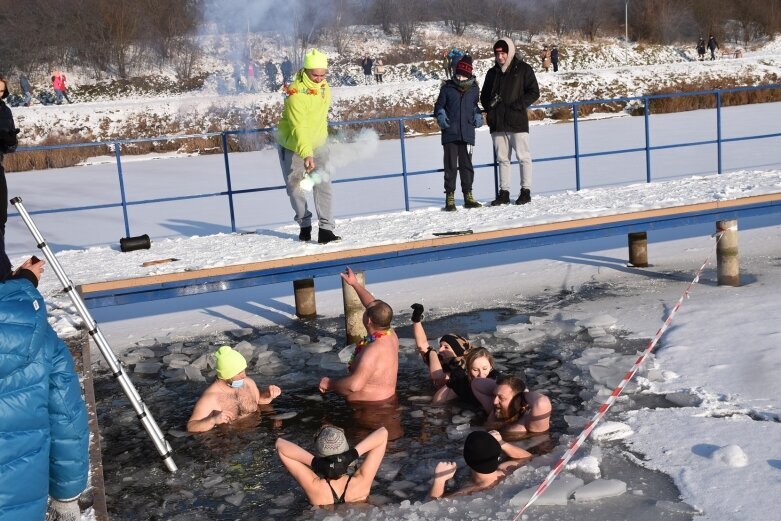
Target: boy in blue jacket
{"points": [[458, 115]]}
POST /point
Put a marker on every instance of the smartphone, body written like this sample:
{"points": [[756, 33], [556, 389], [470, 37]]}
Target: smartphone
{"points": [[35, 259]]}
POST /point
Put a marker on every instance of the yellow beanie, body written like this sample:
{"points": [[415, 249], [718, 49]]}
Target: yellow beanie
{"points": [[315, 59], [229, 363]]}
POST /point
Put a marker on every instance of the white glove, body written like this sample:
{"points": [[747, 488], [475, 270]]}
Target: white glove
{"points": [[67, 510]]}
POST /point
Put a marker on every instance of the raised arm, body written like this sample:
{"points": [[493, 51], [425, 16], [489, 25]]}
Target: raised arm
{"points": [[297, 461], [510, 450], [428, 354], [444, 471], [483, 389], [373, 446], [269, 394], [349, 277]]}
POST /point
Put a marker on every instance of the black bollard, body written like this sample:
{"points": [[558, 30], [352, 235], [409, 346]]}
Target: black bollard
{"points": [[141, 242]]}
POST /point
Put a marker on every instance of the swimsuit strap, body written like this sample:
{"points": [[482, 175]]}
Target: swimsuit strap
{"points": [[338, 500], [333, 492]]}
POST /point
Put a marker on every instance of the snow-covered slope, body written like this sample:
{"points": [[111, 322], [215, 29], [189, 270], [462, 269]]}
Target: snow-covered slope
{"points": [[597, 70]]}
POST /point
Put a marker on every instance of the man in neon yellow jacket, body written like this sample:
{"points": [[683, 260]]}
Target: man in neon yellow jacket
{"points": [[301, 134]]}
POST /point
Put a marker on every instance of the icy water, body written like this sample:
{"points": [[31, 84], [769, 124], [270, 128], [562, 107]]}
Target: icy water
{"points": [[234, 473]]}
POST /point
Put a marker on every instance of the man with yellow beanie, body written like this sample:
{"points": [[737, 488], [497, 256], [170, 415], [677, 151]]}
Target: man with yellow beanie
{"points": [[231, 396], [302, 129]]}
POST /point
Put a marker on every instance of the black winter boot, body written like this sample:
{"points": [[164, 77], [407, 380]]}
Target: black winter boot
{"points": [[525, 197], [326, 236], [305, 234], [470, 202], [450, 202], [502, 198]]}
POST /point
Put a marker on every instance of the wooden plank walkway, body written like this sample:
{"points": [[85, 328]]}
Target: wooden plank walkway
{"points": [[183, 283]]}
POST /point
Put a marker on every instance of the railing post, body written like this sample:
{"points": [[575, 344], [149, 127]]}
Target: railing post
{"points": [[646, 114], [577, 145], [718, 128], [404, 164], [118, 153], [228, 180]]}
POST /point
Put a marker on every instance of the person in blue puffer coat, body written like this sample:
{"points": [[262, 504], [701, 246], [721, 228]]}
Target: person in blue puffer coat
{"points": [[44, 436], [458, 115]]}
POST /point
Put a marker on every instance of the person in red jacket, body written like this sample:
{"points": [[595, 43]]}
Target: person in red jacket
{"points": [[60, 87]]}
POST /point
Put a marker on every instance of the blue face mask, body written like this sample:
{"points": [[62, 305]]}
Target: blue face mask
{"points": [[237, 383]]}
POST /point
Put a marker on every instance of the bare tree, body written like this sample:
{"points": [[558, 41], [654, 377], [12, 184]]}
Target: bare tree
{"points": [[750, 20], [407, 18], [458, 14], [383, 14]]}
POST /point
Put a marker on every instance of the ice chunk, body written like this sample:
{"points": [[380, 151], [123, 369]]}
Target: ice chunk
{"points": [[193, 374], [175, 357], [246, 349], [240, 333], [284, 416], [331, 362], [683, 399], [388, 470], [147, 368], [604, 321], [557, 493], [730, 455], [586, 464], [200, 363], [600, 489], [316, 348], [605, 340], [575, 422], [235, 499], [611, 431], [345, 353]]}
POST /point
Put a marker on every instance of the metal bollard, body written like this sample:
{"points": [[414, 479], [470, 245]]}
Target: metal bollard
{"points": [[638, 249], [304, 292], [727, 259], [353, 311]]}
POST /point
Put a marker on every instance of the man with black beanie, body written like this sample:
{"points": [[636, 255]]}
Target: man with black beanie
{"points": [[482, 451], [510, 88]]}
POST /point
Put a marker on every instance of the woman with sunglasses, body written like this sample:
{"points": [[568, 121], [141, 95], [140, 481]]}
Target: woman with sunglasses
{"points": [[324, 476]]}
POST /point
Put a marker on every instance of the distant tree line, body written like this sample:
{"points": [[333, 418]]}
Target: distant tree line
{"points": [[119, 37], [111, 37]]}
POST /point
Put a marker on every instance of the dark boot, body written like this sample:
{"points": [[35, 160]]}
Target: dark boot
{"points": [[525, 197], [470, 202], [326, 236], [450, 202], [502, 198], [305, 234]]}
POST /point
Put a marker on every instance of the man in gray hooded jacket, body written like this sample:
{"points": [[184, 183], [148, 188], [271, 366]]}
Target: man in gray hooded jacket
{"points": [[510, 88]]}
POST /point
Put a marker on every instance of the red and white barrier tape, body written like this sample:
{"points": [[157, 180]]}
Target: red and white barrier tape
{"points": [[575, 445]]}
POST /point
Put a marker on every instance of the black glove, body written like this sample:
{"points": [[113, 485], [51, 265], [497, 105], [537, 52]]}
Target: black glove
{"points": [[335, 466], [417, 312]]}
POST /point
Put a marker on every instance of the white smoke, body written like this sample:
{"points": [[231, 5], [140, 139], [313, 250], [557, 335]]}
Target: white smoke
{"points": [[341, 149]]}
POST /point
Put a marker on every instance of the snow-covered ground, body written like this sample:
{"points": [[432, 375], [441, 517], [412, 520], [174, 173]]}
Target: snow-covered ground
{"points": [[719, 361], [599, 70]]}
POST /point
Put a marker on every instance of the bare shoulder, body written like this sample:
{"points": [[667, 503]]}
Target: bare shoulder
{"points": [[539, 400]]}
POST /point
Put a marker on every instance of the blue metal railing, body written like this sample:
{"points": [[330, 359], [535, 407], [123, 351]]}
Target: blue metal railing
{"points": [[405, 173]]}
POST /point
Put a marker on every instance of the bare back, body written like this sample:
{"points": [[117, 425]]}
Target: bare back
{"points": [[378, 363]]}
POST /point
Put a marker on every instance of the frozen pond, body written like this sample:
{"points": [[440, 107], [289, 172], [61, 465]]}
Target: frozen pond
{"points": [[234, 473]]}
